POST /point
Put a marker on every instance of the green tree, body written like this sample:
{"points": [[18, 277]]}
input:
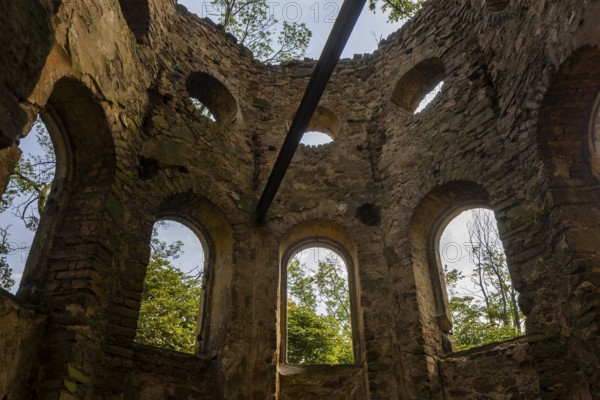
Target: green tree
{"points": [[31, 181], [255, 25], [170, 300], [397, 9], [489, 313], [25, 196], [6, 279], [318, 323], [169, 308]]}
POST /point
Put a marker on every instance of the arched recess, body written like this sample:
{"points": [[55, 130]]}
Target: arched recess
{"points": [[330, 236], [215, 231], [72, 259], [566, 137], [85, 167], [213, 94], [415, 84], [433, 213], [568, 122], [137, 16]]}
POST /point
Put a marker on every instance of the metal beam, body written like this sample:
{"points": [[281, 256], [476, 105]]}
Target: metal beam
{"points": [[342, 28]]}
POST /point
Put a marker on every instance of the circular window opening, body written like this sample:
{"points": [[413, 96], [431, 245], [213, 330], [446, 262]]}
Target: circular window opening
{"points": [[423, 80], [481, 297]]}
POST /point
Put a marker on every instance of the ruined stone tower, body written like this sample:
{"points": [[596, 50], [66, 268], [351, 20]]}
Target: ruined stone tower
{"points": [[516, 129]]}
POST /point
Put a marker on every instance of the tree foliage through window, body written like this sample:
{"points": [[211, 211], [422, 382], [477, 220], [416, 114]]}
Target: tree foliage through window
{"points": [[170, 303], [25, 197], [319, 327], [483, 301]]}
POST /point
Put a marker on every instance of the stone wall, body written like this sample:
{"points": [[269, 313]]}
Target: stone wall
{"points": [[160, 374], [489, 373], [21, 335], [508, 131]]}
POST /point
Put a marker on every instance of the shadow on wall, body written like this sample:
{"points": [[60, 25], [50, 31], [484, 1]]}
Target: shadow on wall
{"points": [[28, 21]]}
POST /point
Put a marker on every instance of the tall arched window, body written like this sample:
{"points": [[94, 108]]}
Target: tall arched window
{"points": [[171, 306], [318, 305], [481, 297]]}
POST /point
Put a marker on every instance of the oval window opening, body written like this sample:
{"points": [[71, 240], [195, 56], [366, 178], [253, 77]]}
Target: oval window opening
{"points": [[315, 138], [481, 297]]}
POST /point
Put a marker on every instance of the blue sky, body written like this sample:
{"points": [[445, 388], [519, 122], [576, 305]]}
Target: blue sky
{"points": [[319, 17]]}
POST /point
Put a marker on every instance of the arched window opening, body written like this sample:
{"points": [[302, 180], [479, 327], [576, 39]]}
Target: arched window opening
{"points": [[137, 16], [318, 309], [23, 203], [481, 297], [323, 128], [212, 96], [594, 140], [170, 310], [413, 89]]}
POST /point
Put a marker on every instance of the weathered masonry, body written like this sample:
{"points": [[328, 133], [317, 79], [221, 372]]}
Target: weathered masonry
{"points": [[516, 128]]}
